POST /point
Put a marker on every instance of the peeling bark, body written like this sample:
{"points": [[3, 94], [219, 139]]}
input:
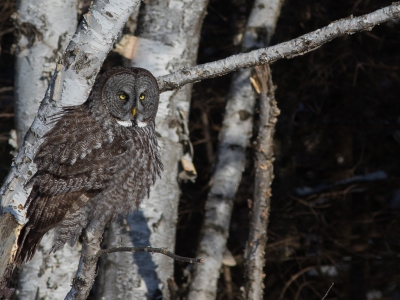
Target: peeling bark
{"points": [[234, 139], [168, 37]]}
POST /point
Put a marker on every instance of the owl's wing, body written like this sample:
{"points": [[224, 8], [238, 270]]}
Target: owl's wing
{"points": [[75, 162]]}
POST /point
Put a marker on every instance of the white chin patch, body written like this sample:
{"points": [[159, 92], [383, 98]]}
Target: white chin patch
{"points": [[141, 124], [125, 123]]}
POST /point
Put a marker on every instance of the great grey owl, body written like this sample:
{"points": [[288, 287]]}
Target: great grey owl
{"points": [[99, 161]]}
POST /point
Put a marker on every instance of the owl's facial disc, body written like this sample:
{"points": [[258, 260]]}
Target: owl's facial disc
{"points": [[119, 95], [132, 98]]}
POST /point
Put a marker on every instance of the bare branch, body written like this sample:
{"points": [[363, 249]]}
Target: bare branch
{"points": [[295, 47], [328, 291], [152, 250], [91, 252], [6, 89], [292, 279], [370, 177], [255, 250]]}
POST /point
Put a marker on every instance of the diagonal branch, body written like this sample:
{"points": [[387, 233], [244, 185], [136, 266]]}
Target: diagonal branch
{"points": [[292, 48]]}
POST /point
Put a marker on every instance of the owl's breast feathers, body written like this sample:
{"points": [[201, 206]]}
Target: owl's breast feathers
{"points": [[79, 164]]}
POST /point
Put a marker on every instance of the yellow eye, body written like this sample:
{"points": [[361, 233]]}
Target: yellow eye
{"points": [[141, 97], [123, 96]]}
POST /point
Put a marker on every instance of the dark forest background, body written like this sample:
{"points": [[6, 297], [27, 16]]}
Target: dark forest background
{"points": [[335, 214]]}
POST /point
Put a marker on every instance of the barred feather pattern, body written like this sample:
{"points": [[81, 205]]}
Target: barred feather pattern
{"points": [[90, 170]]}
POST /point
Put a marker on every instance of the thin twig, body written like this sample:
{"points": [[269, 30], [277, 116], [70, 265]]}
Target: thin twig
{"points": [[328, 291], [293, 278], [6, 115], [6, 89], [152, 250], [289, 49], [370, 177]]}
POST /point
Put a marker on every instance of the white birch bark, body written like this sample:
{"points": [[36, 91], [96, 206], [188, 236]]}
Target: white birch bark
{"points": [[234, 138], [70, 85], [51, 24], [44, 28], [168, 41]]}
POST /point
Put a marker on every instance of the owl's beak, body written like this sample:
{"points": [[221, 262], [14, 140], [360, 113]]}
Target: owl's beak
{"points": [[134, 111]]}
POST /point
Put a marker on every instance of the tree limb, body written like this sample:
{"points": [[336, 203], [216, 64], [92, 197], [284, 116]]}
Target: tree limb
{"points": [[290, 49], [152, 250], [91, 252], [255, 249]]}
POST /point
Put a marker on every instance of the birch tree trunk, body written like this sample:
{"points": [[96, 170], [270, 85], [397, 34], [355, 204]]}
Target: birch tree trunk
{"points": [[168, 38], [44, 29], [234, 139], [70, 85]]}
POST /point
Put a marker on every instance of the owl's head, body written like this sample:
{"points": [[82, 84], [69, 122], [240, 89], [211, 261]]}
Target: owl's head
{"points": [[130, 95]]}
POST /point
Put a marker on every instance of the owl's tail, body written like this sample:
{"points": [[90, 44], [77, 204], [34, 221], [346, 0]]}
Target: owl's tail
{"points": [[34, 230], [28, 243], [45, 213]]}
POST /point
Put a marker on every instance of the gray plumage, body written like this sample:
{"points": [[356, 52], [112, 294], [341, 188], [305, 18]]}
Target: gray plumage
{"points": [[98, 162]]}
